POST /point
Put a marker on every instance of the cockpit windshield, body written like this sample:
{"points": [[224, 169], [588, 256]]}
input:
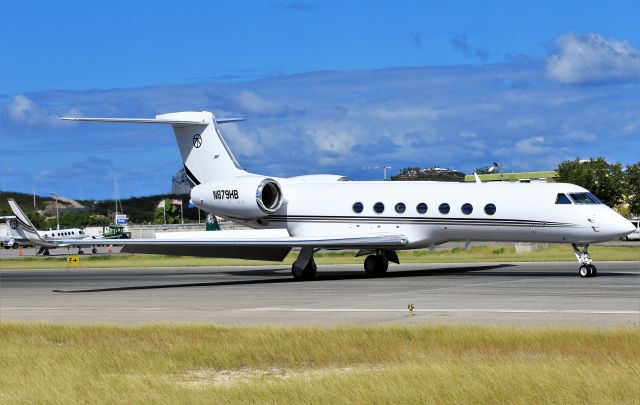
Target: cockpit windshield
{"points": [[562, 199], [584, 198]]}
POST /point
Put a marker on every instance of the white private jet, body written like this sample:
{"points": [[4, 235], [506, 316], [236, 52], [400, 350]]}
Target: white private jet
{"points": [[378, 218], [22, 230]]}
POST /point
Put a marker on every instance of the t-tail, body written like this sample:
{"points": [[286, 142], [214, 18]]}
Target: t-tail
{"points": [[22, 227], [204, 152]]}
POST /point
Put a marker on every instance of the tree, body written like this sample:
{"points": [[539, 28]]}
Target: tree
{"points": [[483, 170], [170, 213], [633, 188], [604, 180]]}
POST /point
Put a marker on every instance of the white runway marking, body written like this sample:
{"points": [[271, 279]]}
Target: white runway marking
{"points": [[431, 310], [372, 310]]}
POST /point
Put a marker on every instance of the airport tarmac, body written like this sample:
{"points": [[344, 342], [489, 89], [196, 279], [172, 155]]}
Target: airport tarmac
{"points": [[489, 293]]}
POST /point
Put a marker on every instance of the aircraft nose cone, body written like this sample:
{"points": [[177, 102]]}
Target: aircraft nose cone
{"points": [[616, 226], [627, 227]]}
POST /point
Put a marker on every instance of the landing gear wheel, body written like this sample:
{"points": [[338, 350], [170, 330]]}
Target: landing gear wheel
{"points": [[94, 251], [376, 265], [584, 271], [45, 252], [80, 252], [306, 273]]}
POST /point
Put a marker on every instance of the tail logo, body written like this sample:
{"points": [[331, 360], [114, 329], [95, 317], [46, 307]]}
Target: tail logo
{"points": [[197, 140]]}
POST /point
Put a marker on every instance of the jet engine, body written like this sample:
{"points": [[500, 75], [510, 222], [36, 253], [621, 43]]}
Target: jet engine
{"points": [[241, 197]]}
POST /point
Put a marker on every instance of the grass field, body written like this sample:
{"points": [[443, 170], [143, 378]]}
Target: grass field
{"points": [[474, 254], [201, 364]]}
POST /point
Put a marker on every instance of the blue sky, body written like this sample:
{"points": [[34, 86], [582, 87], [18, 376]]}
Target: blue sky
{"points": [[326, 86]]}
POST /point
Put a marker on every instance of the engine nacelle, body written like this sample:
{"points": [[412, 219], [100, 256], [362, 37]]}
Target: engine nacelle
{"points": [[241, 197]]}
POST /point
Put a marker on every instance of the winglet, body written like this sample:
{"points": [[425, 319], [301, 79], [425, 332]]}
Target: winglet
{"points": [[22, 225]]}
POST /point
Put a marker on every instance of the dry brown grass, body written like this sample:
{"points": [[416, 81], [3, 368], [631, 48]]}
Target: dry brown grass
{"points": [[198, 364]]}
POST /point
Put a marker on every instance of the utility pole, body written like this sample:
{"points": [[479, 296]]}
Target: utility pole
{"points": [[34, 198], [57, 214], [384, 169]]}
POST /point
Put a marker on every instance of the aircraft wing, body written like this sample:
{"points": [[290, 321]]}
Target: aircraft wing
{"points": [[272, 244], [274, 248]]}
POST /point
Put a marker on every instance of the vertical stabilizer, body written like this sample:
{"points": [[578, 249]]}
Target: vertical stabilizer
{"points": [[22, 226], [204, 152]]}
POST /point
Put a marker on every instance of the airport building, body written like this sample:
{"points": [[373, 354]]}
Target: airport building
{"points": [[180, 183]]}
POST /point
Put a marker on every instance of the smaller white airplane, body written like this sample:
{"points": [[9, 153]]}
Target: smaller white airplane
{"points": [[23, 230]]}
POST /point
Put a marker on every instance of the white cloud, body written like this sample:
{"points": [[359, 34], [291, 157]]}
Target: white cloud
{"points": [[253, 103], [531, 146], [584, 136], [590, 59], [334, 141], [465, 133], [405, 112], [243, 144], [20, 108], [521, 121], [24, 111]]}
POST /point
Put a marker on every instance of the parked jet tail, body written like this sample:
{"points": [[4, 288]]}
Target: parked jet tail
{"points": [[204, 151], [22, 226]]}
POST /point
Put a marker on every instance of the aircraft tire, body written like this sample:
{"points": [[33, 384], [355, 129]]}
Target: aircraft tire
{"points": [[308, 273], [593, 272], [94, 251], [584, 271], [376, 265]]}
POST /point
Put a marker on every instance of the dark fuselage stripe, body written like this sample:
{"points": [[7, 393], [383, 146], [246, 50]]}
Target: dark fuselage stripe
{"points": [[190, 175], [416, 220]]}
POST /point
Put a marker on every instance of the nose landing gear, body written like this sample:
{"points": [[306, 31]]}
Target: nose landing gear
{"points": [[587, 269]]}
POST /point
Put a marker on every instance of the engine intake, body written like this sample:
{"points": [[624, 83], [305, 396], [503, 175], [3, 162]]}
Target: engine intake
{"points": [[269, 195], [242, 197]]}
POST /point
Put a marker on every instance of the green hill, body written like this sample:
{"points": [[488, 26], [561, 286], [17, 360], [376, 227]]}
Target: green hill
{"points": [[140, 210]]}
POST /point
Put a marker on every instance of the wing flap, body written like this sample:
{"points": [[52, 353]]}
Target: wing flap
{"points": [[274, 254]]}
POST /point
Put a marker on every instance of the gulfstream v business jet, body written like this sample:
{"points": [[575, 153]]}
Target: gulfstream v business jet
{"points": [[377, 218]]}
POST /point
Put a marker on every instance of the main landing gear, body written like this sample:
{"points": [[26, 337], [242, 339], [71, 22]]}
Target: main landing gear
{"points": [[304, 268], [587, 269], [378, 264]]}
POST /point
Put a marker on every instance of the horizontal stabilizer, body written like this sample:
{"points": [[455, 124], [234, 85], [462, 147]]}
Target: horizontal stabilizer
{"points": [[152, 120]]}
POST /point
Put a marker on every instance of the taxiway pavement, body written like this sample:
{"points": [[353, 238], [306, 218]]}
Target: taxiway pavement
{"points": [[485, 293]]}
